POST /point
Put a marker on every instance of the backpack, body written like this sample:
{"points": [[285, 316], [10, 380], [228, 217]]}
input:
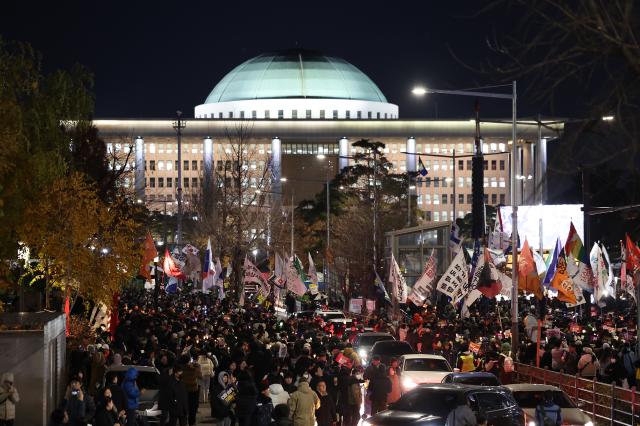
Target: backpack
{"points": [[546, 420]]}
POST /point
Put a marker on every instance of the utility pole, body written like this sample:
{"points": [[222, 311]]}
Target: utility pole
{"points": [[292, 229], [375, 207], [515, 338], [178, 125]]}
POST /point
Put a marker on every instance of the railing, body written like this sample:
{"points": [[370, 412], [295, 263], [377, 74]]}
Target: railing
{"points": [[607, 403]]}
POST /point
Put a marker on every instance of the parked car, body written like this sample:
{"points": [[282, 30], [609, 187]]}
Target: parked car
{"points": [[416, 369], [330, 315], [480, 378], [365, 341], [529, 396], [148, 379], [388, 349], [431, 404]]}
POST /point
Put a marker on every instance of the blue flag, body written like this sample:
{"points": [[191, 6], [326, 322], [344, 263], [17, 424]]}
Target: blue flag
{"points": [[421, 168], [552, 264], [381, 288]]}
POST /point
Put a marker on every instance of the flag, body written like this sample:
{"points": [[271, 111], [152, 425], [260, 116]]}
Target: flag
{"points": [[150, 253], [380, 286], [455, 279], [552, 263], [632, 256], [600, 274], [398, 283], [469, 300], [561, 279], [298, 265], [170, 268], [294, 282], [488, 282], [219, 274], [528, 279], [115, 318], [424, 286], [575, 247], [609, 284], [280, 272], [454, 238], [507, 285], [209, 276], [498, 239], [477, 264], [67, 313], [421, 168], [313, 276], [252, 274]]}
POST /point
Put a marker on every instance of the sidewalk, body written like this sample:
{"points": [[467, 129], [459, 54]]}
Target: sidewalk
{"points": [[204, 414]]}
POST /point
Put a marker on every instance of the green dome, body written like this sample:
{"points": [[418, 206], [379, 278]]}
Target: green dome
{"points": [[295, 73]]}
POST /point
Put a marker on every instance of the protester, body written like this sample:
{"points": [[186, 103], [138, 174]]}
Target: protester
{"points": [[395, 391], [326, 414], [303, 404], [132, 395], [548, 412], [588, 364], [462, 415], [264, 407], [206, 369], [379, 384], [276, 392], [191, 376], [9, 397]]}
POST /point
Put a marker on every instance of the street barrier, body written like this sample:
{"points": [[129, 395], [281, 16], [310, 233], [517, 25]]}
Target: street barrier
{"points": [[607, 403]]}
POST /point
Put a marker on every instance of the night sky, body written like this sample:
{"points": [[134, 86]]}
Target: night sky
{"points": [[152, 58]]}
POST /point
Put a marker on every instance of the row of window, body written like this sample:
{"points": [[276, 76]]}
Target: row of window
{"points": [[310, 148], [170, 165], [169, 182], [445, 198], [298, 114], [489, 182], [444, 165]]}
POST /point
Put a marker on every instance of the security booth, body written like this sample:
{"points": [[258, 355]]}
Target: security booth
{"points": [[33, 348], [412, 247]]}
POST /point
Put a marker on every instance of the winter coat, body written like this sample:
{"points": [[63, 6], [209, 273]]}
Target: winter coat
{"points": [[219, 408], [117, 396], [178, 400], [105, 417], [379, 384], [8, 399], [246, 402], [190, 376], [130, 389], [326, 414], [303, 404], [262, 413], [588, 365], [278, 394], [206, 366]]}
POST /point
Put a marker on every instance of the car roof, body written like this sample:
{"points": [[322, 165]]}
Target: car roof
{"points": [[472, 374], [391, 342], [531, 387], [374, 333], [141, 368], [423, 356], [463, 388]]}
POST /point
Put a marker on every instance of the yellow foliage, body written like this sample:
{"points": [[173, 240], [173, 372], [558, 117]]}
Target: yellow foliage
{"points": [[84, 242]]}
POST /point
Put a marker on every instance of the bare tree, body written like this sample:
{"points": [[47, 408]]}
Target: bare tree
{"points": [[234, 208]]}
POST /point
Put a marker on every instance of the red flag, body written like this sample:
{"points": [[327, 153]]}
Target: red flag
{"points": [[170, 267], [489, 283], [633, 256], [67, 312], [150, 253]]}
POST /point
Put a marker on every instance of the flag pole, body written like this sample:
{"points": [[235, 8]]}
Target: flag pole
{"points": [[514, 228]]}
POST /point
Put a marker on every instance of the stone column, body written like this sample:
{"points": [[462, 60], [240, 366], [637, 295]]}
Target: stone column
{"points": [[276, 167], [343, 146], [208, 161], [541, 171], [140, 166], [411, 159]]}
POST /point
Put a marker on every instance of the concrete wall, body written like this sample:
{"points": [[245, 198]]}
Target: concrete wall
{"points": [[36, 358]]}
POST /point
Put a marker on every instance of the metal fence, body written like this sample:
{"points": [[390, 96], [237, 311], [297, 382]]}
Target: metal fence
{"points": [[607, 403]]}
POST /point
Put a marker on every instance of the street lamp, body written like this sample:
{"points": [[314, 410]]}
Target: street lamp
{"points": [[326, 256], [421, 91]]}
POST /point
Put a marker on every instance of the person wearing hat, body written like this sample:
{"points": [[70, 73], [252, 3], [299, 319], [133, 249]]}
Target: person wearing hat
{"points": [[588, 364], [9, 397], [379, 384], [264, 407]]}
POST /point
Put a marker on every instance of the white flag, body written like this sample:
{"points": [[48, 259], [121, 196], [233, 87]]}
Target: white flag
{"points": [[609, 285], [579, 297], [469, 300], [454, 283], [507, 285], [600, 274], [580, 273], [455, 241], [313, 276], [424, 286], [209, 269], [399, 284], [294, 282]]}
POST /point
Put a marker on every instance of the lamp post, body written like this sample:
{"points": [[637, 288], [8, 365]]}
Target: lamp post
{"points": [[328, 202], [514, 205], [178, 125]]}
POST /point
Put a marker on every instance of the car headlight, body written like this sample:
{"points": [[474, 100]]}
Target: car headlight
{"points": [[362, 353], [408, 384], [588, 423], [366, 423], [532, 423]]}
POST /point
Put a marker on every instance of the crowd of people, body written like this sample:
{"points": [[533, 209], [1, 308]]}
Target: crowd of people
{"points": [[254, 368]]}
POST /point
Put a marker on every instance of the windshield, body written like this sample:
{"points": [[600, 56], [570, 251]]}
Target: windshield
{"points": [[531, 399], [392, 348], [145, 380], [363, 340], [426, 364], [332, 315], [427, 401]]}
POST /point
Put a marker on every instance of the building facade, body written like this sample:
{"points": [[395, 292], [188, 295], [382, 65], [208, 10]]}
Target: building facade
{"points": [[292, 106]]}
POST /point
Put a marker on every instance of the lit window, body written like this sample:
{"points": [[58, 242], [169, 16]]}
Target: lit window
{"points": [[427, 198], [419, 199], [160, 165], [152, 148], [436, 199], [436, 216], [444, 215], [501, 183], [494, 182], [485, 183], [501, 147], [494, 147], [169, 165]]}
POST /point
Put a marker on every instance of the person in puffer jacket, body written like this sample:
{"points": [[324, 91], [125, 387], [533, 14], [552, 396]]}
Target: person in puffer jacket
{"points": [[221, 409], [8, 399], [277, 393], [132, 395]]}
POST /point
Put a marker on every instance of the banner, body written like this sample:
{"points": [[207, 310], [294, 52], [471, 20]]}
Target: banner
{"points": [[455, 279], [371, 306], [313, 277], [294, 282], [424, 286], [397, 281], [355, 305], [600, 274]]}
